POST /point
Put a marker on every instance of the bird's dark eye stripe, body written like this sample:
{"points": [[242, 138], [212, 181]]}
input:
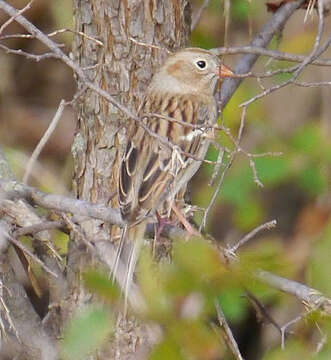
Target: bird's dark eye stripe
{"points": [[201, 64]]}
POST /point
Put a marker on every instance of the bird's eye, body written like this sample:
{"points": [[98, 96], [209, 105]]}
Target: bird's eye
{"points": [[201, 64]]}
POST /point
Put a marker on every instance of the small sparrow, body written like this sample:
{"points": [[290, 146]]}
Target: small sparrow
{"points": [[180, 109]]}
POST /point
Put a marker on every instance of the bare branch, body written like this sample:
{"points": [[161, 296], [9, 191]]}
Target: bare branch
{"points": [[48, 133], [266, 226], [31, 255], [310, 297], [278, 55], [216, 192], [198, 15], [312, 84], [29, 56], [12, 18], [261, 312], [24, 325], [275, 23], [42, 226], [313, 55], [227, 333], [61, 203]]}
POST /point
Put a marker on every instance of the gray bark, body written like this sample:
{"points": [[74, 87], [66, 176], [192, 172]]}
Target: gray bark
{"points": [[122, 68]]}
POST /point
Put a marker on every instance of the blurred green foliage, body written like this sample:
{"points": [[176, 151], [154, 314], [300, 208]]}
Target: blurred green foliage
{"points": [[318, 272], [86, 332], [180, 298]]}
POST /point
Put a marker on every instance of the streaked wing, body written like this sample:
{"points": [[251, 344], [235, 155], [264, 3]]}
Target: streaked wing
{"points": [[148, 167]]}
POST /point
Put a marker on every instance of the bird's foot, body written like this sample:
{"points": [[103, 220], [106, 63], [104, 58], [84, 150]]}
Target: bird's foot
{"points": [[188, 227]]}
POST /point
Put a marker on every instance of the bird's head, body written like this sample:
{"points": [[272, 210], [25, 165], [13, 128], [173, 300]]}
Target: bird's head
{"points": [[190, 70]]}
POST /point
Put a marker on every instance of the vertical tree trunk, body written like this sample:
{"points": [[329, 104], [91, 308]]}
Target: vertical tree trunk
{"points": [[123, 68]]}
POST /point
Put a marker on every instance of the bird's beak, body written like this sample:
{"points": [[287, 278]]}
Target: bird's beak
{"points": [[225, 72]]}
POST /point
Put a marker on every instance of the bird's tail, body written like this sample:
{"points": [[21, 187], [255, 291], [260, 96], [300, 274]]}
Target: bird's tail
{"points": [[127, 254]]}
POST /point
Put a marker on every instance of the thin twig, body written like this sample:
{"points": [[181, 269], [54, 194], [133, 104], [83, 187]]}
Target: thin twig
{"points": [[77, 230], [32, 256], [34, 57], [227, 333], [312, 84], [53, 33], [307, 60], [227, 7], [12, 18], [266, 226], [56, 32], [151, 46], [274, 54], [322, 342], [227, 167], [33, 229], [219, 163], [196, 17], [284, 328], [43, 141], [6, 311], [261, 311], [261, 40], [216, 192]]}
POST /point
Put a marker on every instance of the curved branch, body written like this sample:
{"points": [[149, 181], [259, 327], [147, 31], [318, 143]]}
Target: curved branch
{"points": [[13, 189], [262, 40]]}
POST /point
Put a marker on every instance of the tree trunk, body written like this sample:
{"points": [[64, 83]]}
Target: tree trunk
{"points": [[123, 68]]}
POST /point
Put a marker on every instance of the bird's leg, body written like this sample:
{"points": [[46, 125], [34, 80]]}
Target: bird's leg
{"points": [[164, 221], [188, 227], [161, 223]]}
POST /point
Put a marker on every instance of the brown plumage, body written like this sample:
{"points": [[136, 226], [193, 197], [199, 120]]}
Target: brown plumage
{"points": [[181, 92], [151, 172]]}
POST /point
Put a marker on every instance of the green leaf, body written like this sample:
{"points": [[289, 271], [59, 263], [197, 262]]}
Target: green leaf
{"points": [[86, 332], [101, 285]]}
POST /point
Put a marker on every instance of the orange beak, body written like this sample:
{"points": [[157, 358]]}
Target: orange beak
{"points": [[225, 72]]}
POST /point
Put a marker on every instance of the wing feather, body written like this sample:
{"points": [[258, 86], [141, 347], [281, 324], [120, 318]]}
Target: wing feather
{"points": [[147, 167]]}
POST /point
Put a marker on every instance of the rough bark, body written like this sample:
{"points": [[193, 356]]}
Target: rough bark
{"points": [[124, 68]]}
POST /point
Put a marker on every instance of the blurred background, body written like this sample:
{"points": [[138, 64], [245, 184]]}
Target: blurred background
{"points": [[295, 121]]}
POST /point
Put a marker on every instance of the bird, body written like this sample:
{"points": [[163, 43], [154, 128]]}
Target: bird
{"points": [[179, 110]]}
